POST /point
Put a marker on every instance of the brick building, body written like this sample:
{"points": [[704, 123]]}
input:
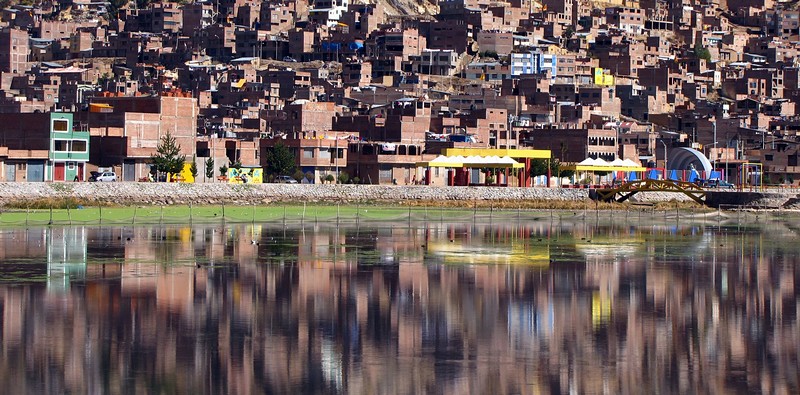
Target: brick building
{"points": [[127, 131]]}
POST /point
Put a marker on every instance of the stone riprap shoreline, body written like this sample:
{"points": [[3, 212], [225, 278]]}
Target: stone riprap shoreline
{"points": [[127, 193]]}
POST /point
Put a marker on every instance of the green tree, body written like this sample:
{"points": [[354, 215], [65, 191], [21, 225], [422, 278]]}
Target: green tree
{"points": [[298, 175], [539, 167], [223, 170], [168, 158], [569, 32], [702, 52], [560, 172], [193, 167], [329, 178], [210, 168], [280, 160], [343, 177], [490, 54]]}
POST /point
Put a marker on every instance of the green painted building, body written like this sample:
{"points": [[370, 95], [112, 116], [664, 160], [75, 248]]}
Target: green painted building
{"points": [[69, 149]]}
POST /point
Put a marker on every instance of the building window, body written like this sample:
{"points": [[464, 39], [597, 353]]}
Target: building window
{"points": [[61, 145], [308, 153], [60, 125], [78, 146]]}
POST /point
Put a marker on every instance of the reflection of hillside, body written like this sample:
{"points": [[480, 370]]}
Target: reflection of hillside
{"points": [[366, 310]]}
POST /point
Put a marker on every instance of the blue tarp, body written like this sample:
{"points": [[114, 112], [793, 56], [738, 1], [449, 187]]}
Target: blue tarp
{"points": [[715, 175], [331, 46], [653, 174], [632, 176], [693, 176], [356, 46], [673, 175]]}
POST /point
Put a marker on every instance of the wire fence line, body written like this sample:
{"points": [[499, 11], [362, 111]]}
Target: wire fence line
{"points": [[356, 213]]}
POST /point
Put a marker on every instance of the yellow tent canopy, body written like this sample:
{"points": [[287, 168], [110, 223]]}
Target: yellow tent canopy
{"points": [[509, 152], [473, 161]]}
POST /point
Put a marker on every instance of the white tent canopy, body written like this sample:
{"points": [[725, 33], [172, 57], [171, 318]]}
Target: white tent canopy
{"points": [[630, 163]]}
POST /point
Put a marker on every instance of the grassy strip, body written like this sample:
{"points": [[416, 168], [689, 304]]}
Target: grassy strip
{"points": [[544, 204], [303, 213]]}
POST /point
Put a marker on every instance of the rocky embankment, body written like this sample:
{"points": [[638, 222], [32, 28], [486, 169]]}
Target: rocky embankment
{"points": [[124, 193]]}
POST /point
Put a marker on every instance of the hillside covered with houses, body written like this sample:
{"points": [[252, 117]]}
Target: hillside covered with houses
{"points": [[379, 90]]}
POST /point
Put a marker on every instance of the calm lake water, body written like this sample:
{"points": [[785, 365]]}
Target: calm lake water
{"points": [[517, 307]]}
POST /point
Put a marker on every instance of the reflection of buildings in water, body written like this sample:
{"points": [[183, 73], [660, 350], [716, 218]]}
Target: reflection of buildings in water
{"points": [[66, 255], [23, 243], [332, 318]]}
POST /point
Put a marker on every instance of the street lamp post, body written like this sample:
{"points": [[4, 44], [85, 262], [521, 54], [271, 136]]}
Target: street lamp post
{"points": [[714, 159], [665, 158]]}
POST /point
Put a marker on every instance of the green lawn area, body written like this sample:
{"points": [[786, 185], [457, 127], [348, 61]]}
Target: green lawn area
{"points": [[270, 213]]}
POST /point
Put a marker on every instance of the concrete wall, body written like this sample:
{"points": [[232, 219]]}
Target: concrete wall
{"points": [[216, 193]]}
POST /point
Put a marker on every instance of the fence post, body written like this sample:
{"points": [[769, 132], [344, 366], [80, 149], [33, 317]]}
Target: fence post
{"points": [[134, 214], [161, 217], [101, 213], [51, 214]]}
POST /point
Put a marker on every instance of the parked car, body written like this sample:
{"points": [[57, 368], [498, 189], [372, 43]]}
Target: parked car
{"points": [[93, 175], [285, 180], [716, 183], [106, 176]]}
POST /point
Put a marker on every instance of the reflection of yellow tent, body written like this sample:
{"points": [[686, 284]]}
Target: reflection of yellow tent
{"points": [[601, 309], [609, 247], [185, 234], [481, 255], [239, 84]]}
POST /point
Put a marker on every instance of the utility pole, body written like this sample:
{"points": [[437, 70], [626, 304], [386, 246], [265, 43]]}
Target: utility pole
{"points": [[716, 148], [665, 157]]}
